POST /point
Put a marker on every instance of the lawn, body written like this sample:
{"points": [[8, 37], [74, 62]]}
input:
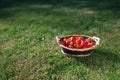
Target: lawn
{"points": [[29, 51]]}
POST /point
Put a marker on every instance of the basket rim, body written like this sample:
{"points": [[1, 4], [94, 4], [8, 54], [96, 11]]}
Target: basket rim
{"points": [[86, 49]]}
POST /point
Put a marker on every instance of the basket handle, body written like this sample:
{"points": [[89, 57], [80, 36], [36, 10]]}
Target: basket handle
{"points": [[57, 38], [97, 39]]}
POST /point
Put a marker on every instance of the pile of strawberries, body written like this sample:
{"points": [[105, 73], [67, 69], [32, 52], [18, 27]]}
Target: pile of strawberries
{"points": [[77, 42]]}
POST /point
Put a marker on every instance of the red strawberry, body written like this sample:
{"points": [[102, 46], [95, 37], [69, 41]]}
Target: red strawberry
{"points": [[64, 39], [93, 43], [71, 43], [79, 38], [89, 40], [70, 46], [84, 46], [73, 39], [88, 46], [63, 43], [79, 47], [82, 43], [75, 45], [86, 43], [68, 40], [78, 42]]}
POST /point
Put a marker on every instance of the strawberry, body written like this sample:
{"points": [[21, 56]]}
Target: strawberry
{"points": [[79, 38], [75, 45], [78, 41], [79, 47], [68, 41], [70, 46], [82, 43], [85, 42], [84, 46], [64, 39], [93, 43], [63, 43], [71, 43], [89, 44], [73, 39], [89, 40]]}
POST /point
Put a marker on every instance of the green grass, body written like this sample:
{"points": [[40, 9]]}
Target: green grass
{"points": [[28, 49]]}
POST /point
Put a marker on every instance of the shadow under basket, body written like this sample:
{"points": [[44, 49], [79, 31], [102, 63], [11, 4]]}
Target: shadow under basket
{"points": [[77, 52]]}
